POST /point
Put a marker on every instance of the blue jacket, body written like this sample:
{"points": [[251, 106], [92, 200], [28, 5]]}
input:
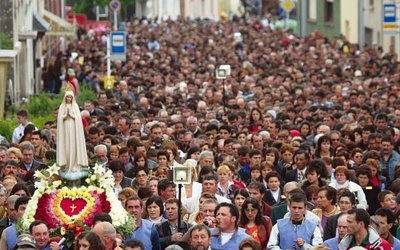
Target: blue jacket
{"points": [[233, 243], [389, 166], [147, 234], [11, 234], [332, 243]]}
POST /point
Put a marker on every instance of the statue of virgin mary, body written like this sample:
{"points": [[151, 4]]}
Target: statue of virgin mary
{"points": [[71, 146]]}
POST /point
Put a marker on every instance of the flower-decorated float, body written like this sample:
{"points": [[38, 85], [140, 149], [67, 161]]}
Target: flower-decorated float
{"points": [[69, 194], [70, 210]]}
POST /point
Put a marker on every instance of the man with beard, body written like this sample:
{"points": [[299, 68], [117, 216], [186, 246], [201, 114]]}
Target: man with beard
{"points": [[11, 167], [200, 237], [157, 140]]}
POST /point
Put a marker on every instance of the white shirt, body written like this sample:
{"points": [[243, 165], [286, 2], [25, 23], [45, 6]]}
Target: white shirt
{"points": [[19, 132]]}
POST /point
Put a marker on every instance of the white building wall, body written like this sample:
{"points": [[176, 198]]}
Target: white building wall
{"points": [[235, 7], [165, 9], [201, 9], [349, 20], [372, 21]]}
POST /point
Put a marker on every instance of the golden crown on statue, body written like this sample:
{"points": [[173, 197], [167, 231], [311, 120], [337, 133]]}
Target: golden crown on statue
{"points": [[69, 87]]}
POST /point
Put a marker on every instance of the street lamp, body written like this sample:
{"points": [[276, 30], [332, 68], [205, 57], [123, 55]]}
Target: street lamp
{"points": [[222, 73], [181, 175]]}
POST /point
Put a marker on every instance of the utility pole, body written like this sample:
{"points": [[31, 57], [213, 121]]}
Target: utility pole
{"points": [[303, 18]]}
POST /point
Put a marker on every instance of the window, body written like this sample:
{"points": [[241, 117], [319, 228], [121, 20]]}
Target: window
{"points": [[312, 9], [329, 11], [371, 3]]}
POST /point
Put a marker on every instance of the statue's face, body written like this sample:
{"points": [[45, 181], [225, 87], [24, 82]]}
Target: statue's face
{"points": [[69, 98]]}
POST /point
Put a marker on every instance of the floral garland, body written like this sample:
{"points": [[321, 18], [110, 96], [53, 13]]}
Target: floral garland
{"points": [[68, 211]]}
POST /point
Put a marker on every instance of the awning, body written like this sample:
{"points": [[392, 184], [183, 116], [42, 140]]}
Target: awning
{"points": [[39, 24], [59, 26]]}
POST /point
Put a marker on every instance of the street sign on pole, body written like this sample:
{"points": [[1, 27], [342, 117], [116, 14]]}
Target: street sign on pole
{"points": [[118, 45], [389, 19], [115, 5], [287, 6]]}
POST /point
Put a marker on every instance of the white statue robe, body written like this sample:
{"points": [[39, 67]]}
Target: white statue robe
{"points": [[71, 145]]}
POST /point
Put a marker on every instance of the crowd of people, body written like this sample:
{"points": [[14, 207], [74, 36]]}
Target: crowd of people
{"points": [[302, 137]]}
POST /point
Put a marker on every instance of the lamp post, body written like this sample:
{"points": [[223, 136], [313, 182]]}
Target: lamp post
{"points": [[181, 175], [221, 73]]}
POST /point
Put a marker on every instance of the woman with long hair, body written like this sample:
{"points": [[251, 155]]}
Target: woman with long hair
{"points": [[272, 155], [88, 241], [155, 209], [305, 129], [239, 197], [256, 225], [255, 120], [323, 148]]}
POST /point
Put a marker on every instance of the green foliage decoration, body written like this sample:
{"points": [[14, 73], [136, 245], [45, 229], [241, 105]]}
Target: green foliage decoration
{"points": [[40, 110]]}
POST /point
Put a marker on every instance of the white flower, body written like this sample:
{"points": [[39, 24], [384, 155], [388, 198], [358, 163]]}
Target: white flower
{"points": [[56, 184], [39, 175], [41, 185], [53, 169], [98, 168], [108, 174], [109, 183]]}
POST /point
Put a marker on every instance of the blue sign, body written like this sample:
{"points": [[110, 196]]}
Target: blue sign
{"points": [[118, 42], [115, 5], [389, 13]]}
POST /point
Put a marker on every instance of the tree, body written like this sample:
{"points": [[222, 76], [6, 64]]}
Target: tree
{"points": [[5, 42], [87, 6]]}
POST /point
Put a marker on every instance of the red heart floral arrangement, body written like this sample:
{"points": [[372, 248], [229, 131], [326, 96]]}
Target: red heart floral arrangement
{"points": [[63, 207]]}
